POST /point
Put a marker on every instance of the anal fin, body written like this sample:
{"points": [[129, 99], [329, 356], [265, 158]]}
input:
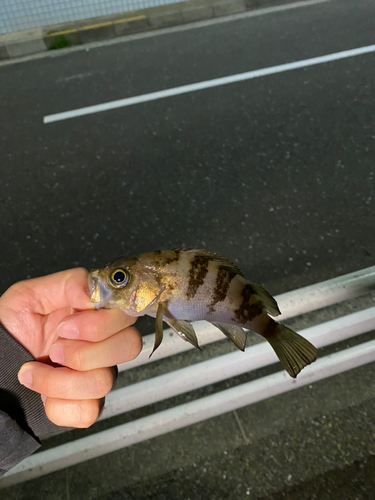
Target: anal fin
{"points": [[235, 333]]}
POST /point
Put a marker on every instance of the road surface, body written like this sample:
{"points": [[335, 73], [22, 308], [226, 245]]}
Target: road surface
{"points": [[275, 172]]}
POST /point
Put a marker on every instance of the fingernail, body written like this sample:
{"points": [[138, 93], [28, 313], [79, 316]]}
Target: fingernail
{"points": [[25, 377], [44, 398], [68, 330], [56, 354]]}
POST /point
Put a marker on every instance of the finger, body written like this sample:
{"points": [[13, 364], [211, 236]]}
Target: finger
{"points": [[84, 356], [94, 325], [73, 413], [55, 291], [64, 383]]}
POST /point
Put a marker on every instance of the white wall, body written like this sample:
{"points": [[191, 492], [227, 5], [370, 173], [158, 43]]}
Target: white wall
{"points": [[18, 15]]}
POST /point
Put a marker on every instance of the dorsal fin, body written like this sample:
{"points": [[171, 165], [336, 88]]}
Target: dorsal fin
{"points": [[267, 300]]}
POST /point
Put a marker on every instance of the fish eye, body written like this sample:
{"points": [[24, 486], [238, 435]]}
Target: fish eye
{"points": [[119, 278]]}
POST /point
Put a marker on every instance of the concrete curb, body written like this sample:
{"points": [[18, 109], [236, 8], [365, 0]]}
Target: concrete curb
{"points": [[35, 40]]}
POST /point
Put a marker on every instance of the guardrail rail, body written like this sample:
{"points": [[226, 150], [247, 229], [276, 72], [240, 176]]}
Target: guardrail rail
{"points": [[223, 367]]}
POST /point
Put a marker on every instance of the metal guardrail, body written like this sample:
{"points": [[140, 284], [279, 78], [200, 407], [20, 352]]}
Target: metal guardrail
{"points": [[229, 365], [180, 381], [294, 303]]}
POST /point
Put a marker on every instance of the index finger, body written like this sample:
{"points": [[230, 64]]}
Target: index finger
{"points": [[55, 291], [94, 326]]}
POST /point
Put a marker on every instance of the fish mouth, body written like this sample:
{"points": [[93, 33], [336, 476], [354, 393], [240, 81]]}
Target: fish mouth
{"points": [[99, 293], [93, 283]]}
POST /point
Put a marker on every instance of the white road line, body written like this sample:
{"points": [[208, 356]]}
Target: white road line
{"points": [[216, 82]]}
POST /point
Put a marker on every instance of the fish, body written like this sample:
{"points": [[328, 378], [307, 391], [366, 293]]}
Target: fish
{"points": [[181, 285]]}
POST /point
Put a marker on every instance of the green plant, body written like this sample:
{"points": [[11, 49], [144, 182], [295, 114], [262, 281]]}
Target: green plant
{"points": [[60, 42]]}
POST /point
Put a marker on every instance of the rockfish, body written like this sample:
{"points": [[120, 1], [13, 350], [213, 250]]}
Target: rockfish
{"points": [[179, 286]]}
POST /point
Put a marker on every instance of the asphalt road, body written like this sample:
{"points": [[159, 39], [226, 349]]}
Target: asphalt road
{"points": [[276, 173]]}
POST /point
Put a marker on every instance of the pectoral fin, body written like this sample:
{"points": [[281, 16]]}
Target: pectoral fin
{"points": [[184, 330], [162, 307], [235, 333]]}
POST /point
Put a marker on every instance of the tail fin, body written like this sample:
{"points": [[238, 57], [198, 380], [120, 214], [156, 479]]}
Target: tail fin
{"points": [[294, 351]]}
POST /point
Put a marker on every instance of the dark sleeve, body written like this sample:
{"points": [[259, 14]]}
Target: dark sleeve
{"points": [[15, 443], [22, 417]]}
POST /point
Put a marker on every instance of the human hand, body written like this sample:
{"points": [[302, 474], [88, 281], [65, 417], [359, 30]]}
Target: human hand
{"points": [[53, 318]]}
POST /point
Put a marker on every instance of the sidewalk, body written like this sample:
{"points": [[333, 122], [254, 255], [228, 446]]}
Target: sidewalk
{"points": [[22, 43]]}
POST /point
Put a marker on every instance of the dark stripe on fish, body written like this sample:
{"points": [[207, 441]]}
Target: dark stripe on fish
{"points": [[247, 312], [223, 279], [271, 329], [158, 258], [172, 256], [197, 274]]}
